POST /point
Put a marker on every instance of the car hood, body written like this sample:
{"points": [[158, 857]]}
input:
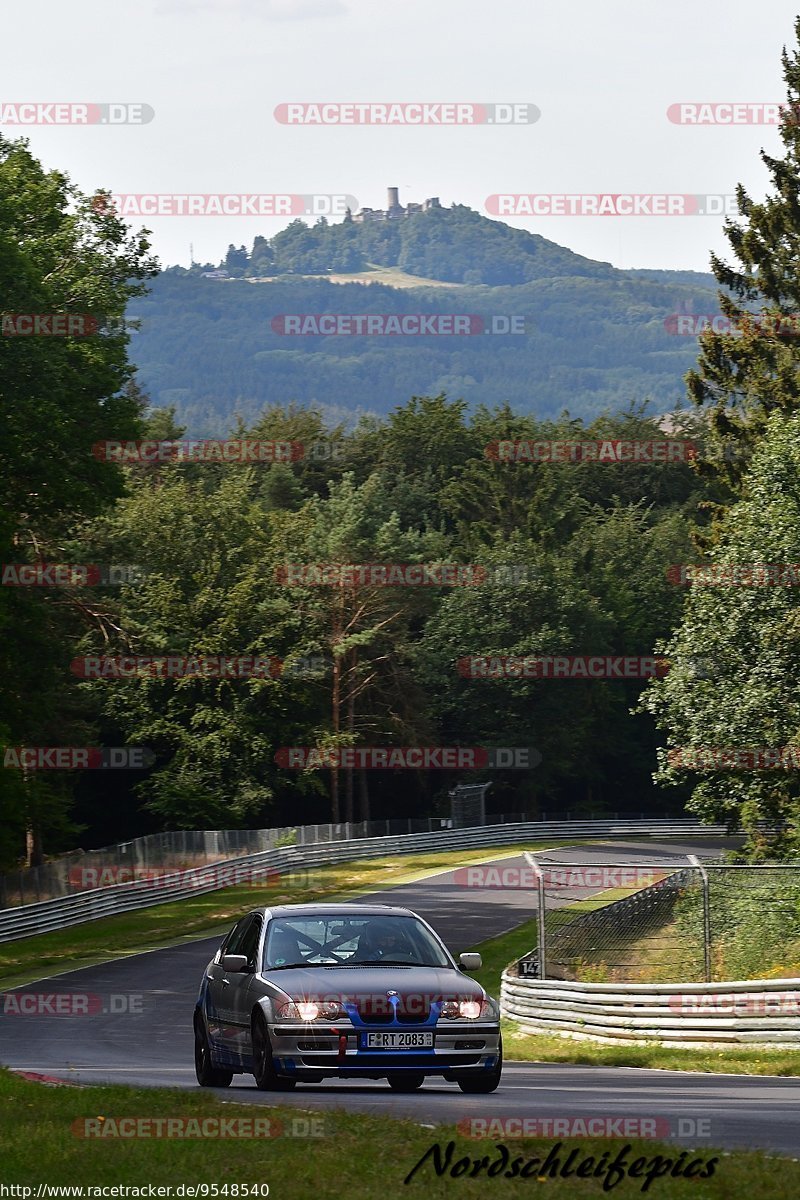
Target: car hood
{"points": [[363, 983]]}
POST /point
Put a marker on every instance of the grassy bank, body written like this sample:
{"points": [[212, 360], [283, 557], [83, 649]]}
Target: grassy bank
{"points": [[362, 1157]]}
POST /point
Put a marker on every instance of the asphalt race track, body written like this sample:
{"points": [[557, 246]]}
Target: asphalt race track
{"points": [[153, 1045]]}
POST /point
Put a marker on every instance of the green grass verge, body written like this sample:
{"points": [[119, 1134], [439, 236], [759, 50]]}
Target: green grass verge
{"points": [[359, 1157], [519, 1045], [213, 913]]}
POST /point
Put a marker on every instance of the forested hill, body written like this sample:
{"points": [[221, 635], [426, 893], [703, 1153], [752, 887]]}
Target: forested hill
{"points": [[454, 245], [592, 337]]}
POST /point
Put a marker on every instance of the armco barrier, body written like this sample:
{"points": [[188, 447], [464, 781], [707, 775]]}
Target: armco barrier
{"points": [[124, 897], [762, 1012]]}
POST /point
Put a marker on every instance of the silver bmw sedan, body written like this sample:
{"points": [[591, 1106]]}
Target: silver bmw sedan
{"points": [[304, 992]]}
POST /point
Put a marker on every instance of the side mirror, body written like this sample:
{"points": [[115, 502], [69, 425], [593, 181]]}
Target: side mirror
{"points": [[471, 961], [234, 963]]}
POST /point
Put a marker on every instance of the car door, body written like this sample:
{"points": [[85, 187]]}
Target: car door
{"points": [[221, 990], [249, 988]]}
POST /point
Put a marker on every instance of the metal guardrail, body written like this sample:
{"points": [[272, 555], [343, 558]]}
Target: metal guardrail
{"points": [[178, 850], [762, 1012], [50, 915]]}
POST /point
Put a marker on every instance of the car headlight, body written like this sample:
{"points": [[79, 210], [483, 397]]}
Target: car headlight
{"points": [[471, 1009], [468, 1010], [309, 1010], [331, 1010]]}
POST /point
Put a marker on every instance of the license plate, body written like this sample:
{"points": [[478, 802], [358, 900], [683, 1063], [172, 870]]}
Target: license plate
{"points": [[399, 1041]]}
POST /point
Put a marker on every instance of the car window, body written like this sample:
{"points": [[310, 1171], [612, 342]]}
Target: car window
{"points": [[348, 941], [237, 935], [249, 944]]}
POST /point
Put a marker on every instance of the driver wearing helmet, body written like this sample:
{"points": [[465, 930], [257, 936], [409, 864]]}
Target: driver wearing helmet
{"points": [[386, 941]]}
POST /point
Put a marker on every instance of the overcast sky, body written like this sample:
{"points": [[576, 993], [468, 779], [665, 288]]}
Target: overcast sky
{"points": [[603, 76]]}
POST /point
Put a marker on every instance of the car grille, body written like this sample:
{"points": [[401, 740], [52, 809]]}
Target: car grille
{"points": [[376, 1014], [402, 1019]]}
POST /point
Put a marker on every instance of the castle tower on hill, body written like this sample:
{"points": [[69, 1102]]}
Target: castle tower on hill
{"points": [[394, 210]]}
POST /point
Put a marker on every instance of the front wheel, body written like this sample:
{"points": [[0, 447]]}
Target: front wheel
{"points": [[487, 1081], [410, 1082], [264, 1073], [207, 1074]]}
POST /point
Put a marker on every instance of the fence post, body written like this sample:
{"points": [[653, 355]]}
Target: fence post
{"points": [[695, 861], [531, 861]]}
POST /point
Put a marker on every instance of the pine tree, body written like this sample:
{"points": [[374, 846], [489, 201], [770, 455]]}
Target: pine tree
{"points": [[745, 375]]}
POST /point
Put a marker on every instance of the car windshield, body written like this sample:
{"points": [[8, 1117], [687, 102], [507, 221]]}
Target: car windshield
{"points": [[325, 940]]}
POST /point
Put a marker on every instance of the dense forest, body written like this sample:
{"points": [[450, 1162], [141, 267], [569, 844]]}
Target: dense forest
{"points": [[581, 551]]}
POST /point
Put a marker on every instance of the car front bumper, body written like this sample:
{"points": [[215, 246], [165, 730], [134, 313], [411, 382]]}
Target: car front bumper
{"points": [[310, 1051]]}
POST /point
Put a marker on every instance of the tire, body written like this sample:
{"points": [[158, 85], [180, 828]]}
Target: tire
{"points": [[265, 1075], [207, 1074], [406, 1082], [487, 1081]]}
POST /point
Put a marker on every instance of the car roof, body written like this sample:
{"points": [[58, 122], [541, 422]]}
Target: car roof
{"points": [[337, 910]]}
